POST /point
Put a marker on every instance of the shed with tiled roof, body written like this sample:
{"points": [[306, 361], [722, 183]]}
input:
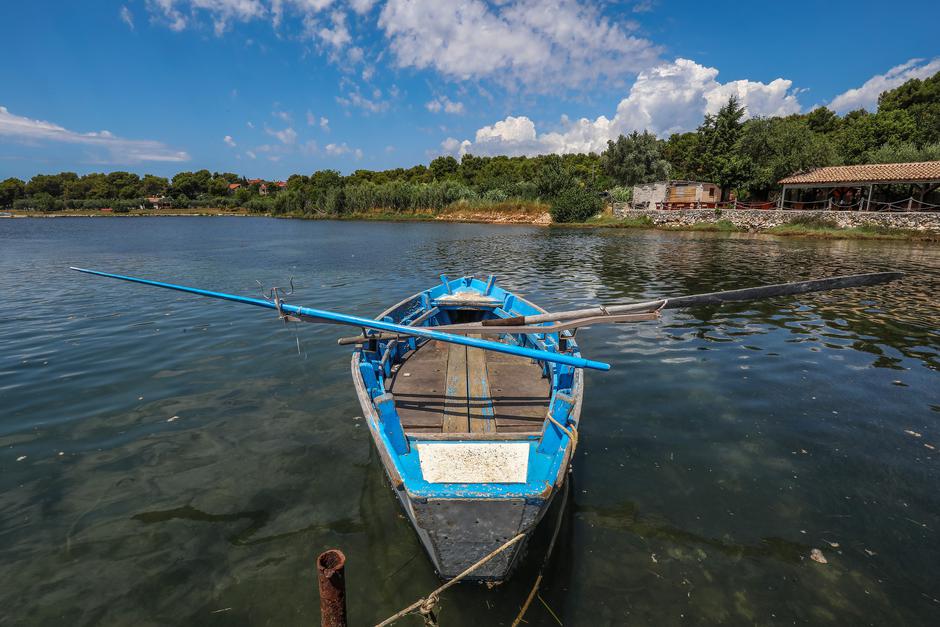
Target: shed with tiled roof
{"points": [[854, 187], [877, 173]]}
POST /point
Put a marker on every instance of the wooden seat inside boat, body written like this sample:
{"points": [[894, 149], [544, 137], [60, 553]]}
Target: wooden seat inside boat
{"points": [[450, 389]]}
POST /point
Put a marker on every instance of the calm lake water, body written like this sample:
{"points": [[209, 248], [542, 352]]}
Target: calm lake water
{"points": [[166, 459]]}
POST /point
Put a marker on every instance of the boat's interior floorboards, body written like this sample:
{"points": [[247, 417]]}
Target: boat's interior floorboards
{"points": [[445, 388]]}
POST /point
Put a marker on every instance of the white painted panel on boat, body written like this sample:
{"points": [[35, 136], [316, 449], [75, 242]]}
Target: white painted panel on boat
{"points": [[473, 462]]}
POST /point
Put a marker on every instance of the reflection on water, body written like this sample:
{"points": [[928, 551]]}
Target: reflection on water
{"points": [[168, 460]]}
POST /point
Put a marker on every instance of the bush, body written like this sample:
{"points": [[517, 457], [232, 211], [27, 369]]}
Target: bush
{"points": [[621, 194], [575, 205], [495, 195]]}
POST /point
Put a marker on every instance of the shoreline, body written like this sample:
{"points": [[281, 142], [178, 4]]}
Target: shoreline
{"points": [[528, 217]]}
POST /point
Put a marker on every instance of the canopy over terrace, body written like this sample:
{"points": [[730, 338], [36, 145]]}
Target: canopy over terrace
{"points": [[899, 186]]}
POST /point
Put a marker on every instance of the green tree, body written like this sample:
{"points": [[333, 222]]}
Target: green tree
{"points": [[779, 147], [11, 190], [51, 184], [822, 120], [722, 164], [903, 152], [217, 185], [443, 168], [862, 132], [152, 185], [191, 184], [921, 100], [124, 185], [683, 152], [636, 158], [553, 177]]}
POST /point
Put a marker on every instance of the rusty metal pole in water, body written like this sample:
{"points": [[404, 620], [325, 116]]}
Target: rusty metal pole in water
{"points": [[331, 576]]}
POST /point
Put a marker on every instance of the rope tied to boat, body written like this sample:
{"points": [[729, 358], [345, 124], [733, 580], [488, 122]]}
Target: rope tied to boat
{"points": [[425, 606], [548, 556], [427, 611], [571, 432]]}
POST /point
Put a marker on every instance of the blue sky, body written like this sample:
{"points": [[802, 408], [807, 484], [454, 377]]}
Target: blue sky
{"points": [[269, 88]]}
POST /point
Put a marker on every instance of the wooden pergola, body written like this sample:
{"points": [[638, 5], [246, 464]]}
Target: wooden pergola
{"points": [[857, 183]]}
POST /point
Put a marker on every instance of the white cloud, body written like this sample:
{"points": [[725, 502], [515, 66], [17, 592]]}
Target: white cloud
{"points": [[175, 20], [361, 6], [251, 154], [284, 116], [337, 150], [445, 104], [222, 11], [354, 98], [286, 136], [323, 123], [668, 98], [303, 6], [338, 36], [127, 17], [452, 145], [541, 43], [23, 129], [309, 147], [229, 141], [866, 96], [249, 124]]}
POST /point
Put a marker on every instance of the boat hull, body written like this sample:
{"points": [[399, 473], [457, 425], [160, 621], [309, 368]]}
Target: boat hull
{"points": [[458, 530]]}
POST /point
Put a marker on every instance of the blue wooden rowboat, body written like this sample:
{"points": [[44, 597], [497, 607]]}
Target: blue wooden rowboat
{"points": [[473, 396], [475, 443]]}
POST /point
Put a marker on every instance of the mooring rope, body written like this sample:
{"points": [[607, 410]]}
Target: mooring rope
{"points": [[548, 556], [425, 606], [571, 432]]}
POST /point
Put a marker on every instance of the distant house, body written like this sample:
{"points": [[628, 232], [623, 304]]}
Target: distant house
{"points": [[157, 202], [262, 185], [675, 195]]}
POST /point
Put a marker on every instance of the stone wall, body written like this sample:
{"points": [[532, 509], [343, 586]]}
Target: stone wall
{"points": [[759, 219]]}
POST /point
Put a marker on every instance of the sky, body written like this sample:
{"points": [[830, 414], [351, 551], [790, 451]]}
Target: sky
{"points": [[270, 88]]}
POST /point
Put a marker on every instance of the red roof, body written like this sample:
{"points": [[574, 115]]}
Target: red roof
{"points": [[281, 184], [255, 181], [869, 173], [234, 185]]}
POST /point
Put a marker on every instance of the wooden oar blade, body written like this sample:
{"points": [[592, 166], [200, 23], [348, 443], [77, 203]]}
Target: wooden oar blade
{"points": [[783, 289], [599, 312]]}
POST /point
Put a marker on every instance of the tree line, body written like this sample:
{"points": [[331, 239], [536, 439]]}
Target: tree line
{"points": [[746, 157]]}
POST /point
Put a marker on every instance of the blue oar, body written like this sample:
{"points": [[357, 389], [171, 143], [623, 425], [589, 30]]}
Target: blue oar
{"points": [[356, 321]]}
